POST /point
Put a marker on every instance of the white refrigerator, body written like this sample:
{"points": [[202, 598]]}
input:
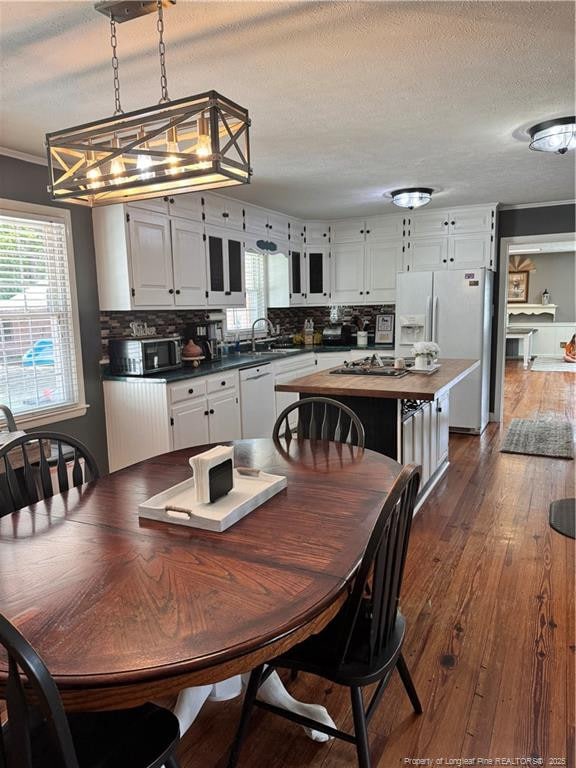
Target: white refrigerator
{"points": [[454, 309]]}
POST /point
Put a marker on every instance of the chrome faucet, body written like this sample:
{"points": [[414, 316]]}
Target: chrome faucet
{"points": [[258, 320]]}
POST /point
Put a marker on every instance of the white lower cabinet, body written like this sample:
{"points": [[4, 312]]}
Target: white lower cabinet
{"points": [[189, 423], [211, 418], [425, 437]]}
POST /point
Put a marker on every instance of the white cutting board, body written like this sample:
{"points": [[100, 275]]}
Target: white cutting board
{"points": [[248, 493]]}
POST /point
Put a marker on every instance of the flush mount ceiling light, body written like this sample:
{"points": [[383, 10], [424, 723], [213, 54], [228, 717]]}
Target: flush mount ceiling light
{"points": [[557, 135], [414, 197], [197, 143]]}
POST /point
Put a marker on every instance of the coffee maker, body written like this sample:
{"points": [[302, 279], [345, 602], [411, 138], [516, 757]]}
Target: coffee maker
{"points": [[208, 335]]}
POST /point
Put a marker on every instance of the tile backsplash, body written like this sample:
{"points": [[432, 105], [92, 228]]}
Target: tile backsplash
{"points": [[291, 319], [167, 322]]}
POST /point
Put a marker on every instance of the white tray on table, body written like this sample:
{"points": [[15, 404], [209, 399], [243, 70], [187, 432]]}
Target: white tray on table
{"points": [[249, 492]]}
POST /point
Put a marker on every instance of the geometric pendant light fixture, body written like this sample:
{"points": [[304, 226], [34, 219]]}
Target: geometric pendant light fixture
{"points": [[192, 144]]}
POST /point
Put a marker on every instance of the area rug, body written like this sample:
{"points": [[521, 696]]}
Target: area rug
{"points": [[552, 364], [563, 517], [540, 437]]}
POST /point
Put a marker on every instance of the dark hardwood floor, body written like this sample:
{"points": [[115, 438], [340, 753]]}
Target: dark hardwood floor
{"points": [[489, 599]]}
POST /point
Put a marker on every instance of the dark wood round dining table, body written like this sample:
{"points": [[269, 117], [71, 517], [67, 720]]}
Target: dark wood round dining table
{"points": [[125, 610]]}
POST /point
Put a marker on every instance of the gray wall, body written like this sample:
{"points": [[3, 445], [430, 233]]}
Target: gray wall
{"points": [[554, 271], [27, 182]]}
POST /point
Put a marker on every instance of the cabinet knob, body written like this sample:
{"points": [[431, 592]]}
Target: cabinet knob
{"points": [[361, 231], [445, 223], [367, 293], [177, 291], [205, 413], [165, 199], [211, 410], [222, 383], [452, 222], [444, 260], [324, 235], [323, 294], [225, 215], [361, 293], [227, 293], [170, 290], [451, 259], [190, 391], [439, 409]]}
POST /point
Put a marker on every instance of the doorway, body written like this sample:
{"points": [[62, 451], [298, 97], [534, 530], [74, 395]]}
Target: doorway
{"points": [[536, 317]]}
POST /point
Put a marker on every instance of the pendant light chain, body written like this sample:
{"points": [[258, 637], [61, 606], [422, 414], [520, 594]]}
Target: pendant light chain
{"points": [[162, 51], [114, 42]]}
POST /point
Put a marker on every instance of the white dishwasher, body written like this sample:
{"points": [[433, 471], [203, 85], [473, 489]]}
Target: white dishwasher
{"points": [[257, 404]]}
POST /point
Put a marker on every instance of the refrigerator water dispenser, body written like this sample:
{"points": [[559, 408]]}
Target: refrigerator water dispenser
{"points": [[412, 328]]}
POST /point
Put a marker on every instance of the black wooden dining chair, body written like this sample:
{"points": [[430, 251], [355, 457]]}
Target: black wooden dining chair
{"points": [[29, 464], [363, 643], [8, 418], [320, 418], [39, 734]]}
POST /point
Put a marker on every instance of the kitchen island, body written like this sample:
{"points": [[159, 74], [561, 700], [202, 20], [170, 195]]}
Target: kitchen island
{"points": [[406, 418]]}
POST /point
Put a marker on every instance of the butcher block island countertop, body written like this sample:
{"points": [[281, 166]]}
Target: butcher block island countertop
{"points": [[414, 386]]}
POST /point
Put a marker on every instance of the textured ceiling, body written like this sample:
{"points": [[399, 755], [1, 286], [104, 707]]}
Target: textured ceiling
{"points": [[348, 100]]}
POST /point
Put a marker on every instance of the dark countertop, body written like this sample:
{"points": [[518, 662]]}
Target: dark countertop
{"points": [[235, 361]]}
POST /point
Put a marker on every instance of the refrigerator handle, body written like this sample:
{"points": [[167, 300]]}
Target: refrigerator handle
{"points": [[435, 320], [429, 320]]}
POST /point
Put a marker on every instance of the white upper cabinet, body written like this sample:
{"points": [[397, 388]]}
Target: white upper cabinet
{"points": [[224, 212], [347, 274], [430, 224], [297, 276], [189, 262], [348, 231], [278, 226], [152, 278], [393, 226], [187, 206], [382, 262], [471, 251], [267, 224], [427, 254], [225, 255], [256, 220], [296, 231], [317, 233], [471, 220], [157, 204], [317, 260]]}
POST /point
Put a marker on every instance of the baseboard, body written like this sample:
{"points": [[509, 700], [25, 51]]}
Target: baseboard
{"points": [[431, 484]]}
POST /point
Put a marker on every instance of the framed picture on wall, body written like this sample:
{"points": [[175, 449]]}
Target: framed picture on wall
{"points": [[518, 287]]}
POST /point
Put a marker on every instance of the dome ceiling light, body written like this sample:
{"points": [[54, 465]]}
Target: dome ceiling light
{"points": [[413, 197], [557, 135], [197, 143]]}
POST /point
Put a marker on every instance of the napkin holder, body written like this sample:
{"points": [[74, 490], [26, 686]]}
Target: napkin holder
{"points": [[213, 473]]}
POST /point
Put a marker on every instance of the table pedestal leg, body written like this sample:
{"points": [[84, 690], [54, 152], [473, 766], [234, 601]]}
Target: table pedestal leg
{"points": [[272, 691]]}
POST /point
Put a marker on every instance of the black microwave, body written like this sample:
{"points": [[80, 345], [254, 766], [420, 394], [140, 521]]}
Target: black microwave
{"points": [[141, 356]]}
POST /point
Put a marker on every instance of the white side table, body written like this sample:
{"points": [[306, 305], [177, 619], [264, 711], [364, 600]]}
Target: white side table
{"points": [[524, 335]]}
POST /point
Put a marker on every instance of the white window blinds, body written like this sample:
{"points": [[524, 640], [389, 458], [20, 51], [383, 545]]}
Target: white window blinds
{"points": [[239, 320], [38, 361]]}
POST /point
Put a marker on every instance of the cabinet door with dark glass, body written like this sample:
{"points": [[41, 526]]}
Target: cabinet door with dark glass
{"points": [[297, 275], [317, 262], [225, 256]]}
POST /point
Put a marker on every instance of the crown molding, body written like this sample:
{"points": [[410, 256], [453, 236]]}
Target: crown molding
{"points": [[536, 205], [23, 156]]}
